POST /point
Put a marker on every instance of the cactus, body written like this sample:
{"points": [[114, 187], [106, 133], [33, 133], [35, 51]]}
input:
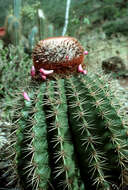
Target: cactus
{"points": [[70, 134], [50, 30], [17, 8], [13, 30], [42, 24], [32, 37]]}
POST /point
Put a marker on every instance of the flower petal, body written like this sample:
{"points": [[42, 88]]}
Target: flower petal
{"points": [[46, 72], [84, 72], [33, 72], [80, 69], [26, 97], [43, 77], [85, 52]]}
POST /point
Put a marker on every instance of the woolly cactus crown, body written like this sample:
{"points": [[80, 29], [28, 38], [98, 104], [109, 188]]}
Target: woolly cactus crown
{"points": [[61, 54]]}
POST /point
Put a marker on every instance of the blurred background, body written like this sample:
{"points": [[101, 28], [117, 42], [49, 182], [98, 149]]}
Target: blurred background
{"points": [[101, 26]]}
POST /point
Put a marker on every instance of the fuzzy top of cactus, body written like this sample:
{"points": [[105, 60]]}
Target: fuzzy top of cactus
{"points": [[61, 54]]}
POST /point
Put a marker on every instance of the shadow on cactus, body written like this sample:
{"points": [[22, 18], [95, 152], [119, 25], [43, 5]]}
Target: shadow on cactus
{"points": [[70, 132]]}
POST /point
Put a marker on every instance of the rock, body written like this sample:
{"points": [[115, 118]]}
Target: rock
{"points": [[113, 64]]}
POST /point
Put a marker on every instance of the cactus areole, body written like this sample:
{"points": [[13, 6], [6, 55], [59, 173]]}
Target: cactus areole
{"points": [[61, 54]]}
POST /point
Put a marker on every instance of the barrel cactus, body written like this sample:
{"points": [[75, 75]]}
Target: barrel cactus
{"points": [[70, 132]]}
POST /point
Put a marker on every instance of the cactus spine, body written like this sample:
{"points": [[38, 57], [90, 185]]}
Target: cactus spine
{"points": [[71, 135]]}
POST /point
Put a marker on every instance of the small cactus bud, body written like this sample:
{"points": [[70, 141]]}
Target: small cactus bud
{"points": [[26, 97], [85, 52], [33, 71], [67, 57], [81, 70], [43, 77], [84, 72]]}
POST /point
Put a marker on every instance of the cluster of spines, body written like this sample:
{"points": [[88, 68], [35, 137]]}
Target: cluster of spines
{"points": [[35, 164], [38, 170], [14, 147], [113, 122], [23, 149], [99, 108], [81, 119]]}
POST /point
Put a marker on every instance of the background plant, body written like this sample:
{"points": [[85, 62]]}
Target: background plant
{"points": [[14, 67]]}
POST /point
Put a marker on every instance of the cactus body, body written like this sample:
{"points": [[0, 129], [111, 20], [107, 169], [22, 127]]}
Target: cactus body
{"points": [[50, 30], [32, 37], [42, 24], [70, 134]]}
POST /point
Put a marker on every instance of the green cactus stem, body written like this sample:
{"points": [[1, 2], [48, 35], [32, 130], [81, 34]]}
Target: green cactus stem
{"points": [[42, 24], [13, 30], [71, 135]]}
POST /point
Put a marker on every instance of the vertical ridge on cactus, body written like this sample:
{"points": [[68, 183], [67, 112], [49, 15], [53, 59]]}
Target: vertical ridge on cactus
{"points": [[39, 143], [64, 164], [86, 140]]}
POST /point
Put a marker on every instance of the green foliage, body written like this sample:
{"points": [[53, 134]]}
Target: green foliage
{"points": [[16, 61], [14, 67], [57, 14], [29, 16], [96, 11], [115, 27], [70, 135], [4, 7]]}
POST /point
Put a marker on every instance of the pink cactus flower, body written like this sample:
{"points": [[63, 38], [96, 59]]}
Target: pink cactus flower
{"points": [[85, 52], [46, 72], [43, 77], [26, 97], [67, 57], [33, 72], [81, 70], [84, 72]]}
